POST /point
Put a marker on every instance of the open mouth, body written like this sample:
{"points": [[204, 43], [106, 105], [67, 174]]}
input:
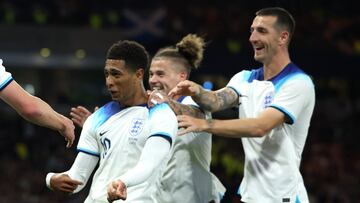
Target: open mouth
{"points": [[259, 48], [157, 88]]}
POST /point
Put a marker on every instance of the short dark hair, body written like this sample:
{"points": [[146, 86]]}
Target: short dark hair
{"points": [[133, 53], [284, 19]]}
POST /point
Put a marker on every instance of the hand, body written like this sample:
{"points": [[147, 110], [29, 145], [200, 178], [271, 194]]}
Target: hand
{"points": [[157, 97], [68, 131], [80, 114], [186, 88], [190, 124], [63, 183], [116, 190]]}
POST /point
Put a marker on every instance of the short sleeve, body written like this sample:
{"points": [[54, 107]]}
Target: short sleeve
{"points": [[87, 142], [238, 80], [5, 77], [163, 122], [293, 95]]}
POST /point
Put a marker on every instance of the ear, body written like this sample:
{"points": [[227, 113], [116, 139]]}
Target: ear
{"points": [[140, 73], [183, 75], [284, 37]]}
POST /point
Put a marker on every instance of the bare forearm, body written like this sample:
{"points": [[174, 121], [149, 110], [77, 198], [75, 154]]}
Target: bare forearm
{"points": [[208, 100], [182, 109], [39, 112], [236, 128], [216, 100]]}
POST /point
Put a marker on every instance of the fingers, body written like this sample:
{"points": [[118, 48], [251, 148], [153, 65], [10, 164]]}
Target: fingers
{"points": [[116, 190], [74, 182], [69, 143], [68, 132], [182, 88], [111, 191], [80, 114], [63, 183], [121, 192], [157, 97]]}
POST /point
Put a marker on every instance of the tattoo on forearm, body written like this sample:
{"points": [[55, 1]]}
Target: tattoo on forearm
{"points": [[227, 98], [218, 100], [182, 109], [206, 100]]}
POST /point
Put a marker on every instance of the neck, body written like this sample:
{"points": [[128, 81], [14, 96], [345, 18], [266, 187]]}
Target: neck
{"points": [[139, 97], [276, 65]]}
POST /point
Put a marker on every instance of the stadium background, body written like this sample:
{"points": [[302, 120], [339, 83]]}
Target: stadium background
{"points": [[56, 50]]}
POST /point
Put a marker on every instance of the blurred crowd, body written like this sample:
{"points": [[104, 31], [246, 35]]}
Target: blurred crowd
{"points": [[321, 24], [331, 158]]}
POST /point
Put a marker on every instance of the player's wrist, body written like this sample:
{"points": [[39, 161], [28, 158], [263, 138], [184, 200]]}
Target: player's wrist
{"points": [[48, 180], [209, 124]]}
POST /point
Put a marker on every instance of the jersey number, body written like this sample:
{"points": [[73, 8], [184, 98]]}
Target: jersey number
{"points": [[106, 143]]}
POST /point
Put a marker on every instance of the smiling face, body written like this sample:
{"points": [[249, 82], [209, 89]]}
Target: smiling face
{"points": [[121, 83], [165, 74], [265, 38]]}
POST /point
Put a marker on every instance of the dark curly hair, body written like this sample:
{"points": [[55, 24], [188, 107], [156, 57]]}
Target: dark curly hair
{"points": [[133, 53]]}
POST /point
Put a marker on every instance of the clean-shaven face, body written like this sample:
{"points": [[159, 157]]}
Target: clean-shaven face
{"points": [[120, 82], [264, 38], [163, 75]]}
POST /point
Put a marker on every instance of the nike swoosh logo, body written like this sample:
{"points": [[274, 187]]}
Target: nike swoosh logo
{"points": [[102, 133]]}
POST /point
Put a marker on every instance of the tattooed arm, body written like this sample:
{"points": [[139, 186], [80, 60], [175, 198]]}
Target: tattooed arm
{"points": [[217, 100], [182, 109], [158, 97], [208, 100]]}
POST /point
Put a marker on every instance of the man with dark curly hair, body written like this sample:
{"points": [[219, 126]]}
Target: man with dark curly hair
{"points": [[131, 142]]}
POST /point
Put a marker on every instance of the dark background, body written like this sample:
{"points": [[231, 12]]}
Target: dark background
{"points": [[56, 50]]}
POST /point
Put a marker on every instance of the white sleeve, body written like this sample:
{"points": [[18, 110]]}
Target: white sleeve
{"points": [[5, 77], [164, 126], [238, 81], [293, 95], [87, 141], [153, 153], [81, 170], [163, 122]]}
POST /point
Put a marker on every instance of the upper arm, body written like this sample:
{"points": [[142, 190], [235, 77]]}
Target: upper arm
{"points": [[293, 97], [14, 95], [271, 118], [87, 142], [163, 122]]}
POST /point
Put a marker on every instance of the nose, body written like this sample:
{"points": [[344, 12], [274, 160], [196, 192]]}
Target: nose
{"points": [[153, 79], [253, 37], [109, 81]]}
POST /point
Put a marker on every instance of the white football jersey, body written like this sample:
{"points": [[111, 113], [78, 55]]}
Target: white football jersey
{"points": [[272, 162], [187, 177], [117, 136], [5, 77]]}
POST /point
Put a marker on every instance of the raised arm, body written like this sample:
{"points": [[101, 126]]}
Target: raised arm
{"points": [[158, 97], [208, 100], [37, 111]]}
